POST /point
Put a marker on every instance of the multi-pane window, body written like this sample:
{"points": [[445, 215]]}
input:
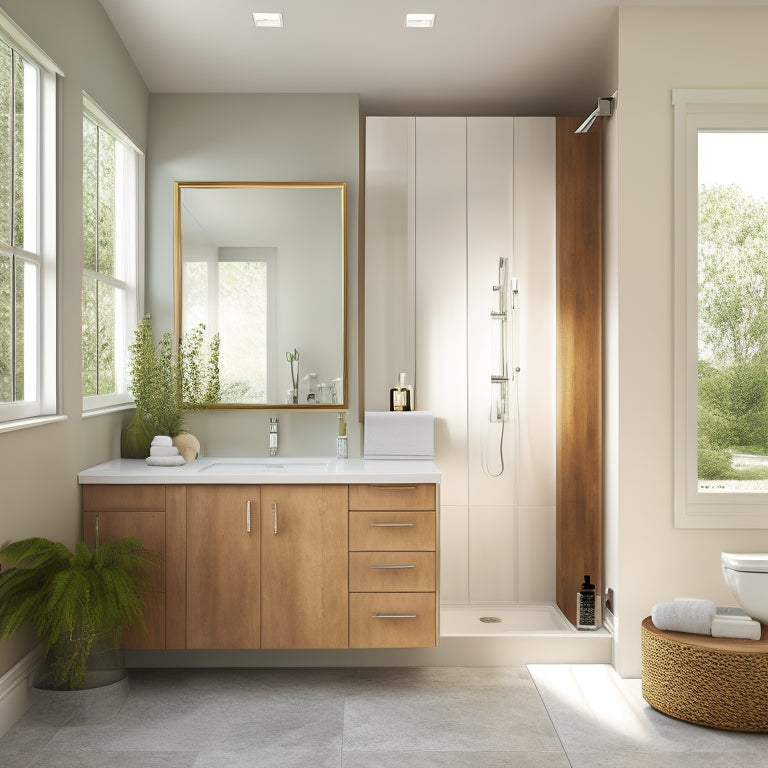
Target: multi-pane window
{"points": [[111, 244], [722, 308], [27, 233]]}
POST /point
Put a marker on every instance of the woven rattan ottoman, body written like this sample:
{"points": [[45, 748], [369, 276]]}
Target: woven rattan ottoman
{"points": [[706, 680]]}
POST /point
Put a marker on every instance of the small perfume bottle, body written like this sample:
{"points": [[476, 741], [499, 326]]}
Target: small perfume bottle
{"points": [[588, 613], [341, 438], [401, 396]]}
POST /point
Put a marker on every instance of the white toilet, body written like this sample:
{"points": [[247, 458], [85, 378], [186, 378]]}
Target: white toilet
{"points": [[747, 577]]}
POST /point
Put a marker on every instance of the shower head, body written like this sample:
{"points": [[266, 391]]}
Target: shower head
{"points": [[604, 109]]}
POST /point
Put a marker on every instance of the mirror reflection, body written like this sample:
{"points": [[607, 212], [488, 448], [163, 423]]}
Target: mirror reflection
{"points": [[263, 265]]}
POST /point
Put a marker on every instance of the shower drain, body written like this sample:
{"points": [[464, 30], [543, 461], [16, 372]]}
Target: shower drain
{"points": [[490, 619]]}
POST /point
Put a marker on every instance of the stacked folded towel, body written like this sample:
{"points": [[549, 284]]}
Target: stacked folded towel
{"points": [[702, 617], [684, 616], [163, 453]]}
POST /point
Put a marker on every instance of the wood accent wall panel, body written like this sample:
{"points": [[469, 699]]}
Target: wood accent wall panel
{"points": [[579, 361]]}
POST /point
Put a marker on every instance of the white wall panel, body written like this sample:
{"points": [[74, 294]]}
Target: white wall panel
{"points": [[454, 554], [441, 314], [534, 249], [490, 205], [390, 279], [535, 556], [492, 545]]}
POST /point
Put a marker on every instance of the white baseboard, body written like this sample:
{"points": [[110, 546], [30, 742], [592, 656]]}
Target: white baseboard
{"points": [[14, 688]]}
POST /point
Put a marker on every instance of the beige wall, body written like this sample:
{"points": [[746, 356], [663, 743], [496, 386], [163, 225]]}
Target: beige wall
{"points": [[38, 466], [253, 137], [660, 49]]}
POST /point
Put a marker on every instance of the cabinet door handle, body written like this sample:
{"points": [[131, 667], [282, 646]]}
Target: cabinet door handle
{"points": [[248, 516], [391, 567], [394, 487], [96, 528], [392, 525], [394, 616], [274, 516]]}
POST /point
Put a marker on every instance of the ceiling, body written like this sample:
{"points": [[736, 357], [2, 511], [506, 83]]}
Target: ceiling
{"points": [[522, 57]]}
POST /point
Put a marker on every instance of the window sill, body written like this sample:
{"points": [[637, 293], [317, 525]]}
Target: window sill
{"points": [[37, 421], [108, 409]]}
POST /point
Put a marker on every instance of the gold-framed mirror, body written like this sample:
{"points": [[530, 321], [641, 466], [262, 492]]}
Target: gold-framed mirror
{"points": [[263, 264]]}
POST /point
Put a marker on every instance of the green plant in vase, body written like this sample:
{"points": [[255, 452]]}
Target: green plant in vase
{"points": [[167, 382], [74, 600]]}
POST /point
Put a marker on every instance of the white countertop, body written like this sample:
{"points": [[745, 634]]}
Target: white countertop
{"points": [[263, 471]]}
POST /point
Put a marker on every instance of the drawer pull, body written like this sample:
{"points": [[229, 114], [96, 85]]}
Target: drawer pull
{"points": [[394, 616], [395, 487], [390, 567], [274, 516], [392, 525], [248, 516]]}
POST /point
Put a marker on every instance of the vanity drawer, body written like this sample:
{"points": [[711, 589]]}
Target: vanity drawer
{"points": [[381, 531], [392, 496], [119, 498], [392, 620], [391, 571]]}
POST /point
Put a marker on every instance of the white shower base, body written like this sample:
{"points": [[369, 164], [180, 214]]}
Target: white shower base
{"points": [[525, 633], [482, 620]]}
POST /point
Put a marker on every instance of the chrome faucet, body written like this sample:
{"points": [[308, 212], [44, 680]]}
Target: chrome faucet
{"points": [[273, 421]]}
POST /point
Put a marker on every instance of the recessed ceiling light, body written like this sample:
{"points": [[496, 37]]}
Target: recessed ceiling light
{"points": [[262, 19], [421, 20]]}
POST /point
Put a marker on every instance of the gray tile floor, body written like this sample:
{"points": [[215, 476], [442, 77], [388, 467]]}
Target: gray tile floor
{"points": [[544, 716]]}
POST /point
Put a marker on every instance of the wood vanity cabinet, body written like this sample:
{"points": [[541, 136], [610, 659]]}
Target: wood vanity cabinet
{"points": [[279, 566], [223, 574], [113, 512], [304, 589], [392, 566]]}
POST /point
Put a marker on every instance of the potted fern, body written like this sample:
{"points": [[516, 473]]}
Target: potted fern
{"points": [[76, 601]]}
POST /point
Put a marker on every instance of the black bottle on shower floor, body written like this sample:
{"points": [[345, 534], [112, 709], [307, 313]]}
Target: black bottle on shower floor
{"points": [[588, 614]]}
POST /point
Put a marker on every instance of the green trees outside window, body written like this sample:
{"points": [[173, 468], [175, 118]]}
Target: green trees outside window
{"points": [[15, 276], [732, 333]]}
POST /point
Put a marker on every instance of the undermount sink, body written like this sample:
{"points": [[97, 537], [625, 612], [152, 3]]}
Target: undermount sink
{"points": [[258, 466]]}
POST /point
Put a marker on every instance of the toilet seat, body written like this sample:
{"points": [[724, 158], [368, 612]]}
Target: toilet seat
{"points": [[750, 563]]}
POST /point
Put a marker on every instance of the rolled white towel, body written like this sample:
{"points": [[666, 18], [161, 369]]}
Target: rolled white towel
{"points": [[163, 450], [163, 440], [736, 626], [684, 616], [165, 461]]}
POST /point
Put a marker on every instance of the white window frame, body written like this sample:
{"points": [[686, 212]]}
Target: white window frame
{"points": [[43, 302], [702, 110], [131, 286]]}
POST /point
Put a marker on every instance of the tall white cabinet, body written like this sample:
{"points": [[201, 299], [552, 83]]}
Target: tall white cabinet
{"points": [[445, 199]]}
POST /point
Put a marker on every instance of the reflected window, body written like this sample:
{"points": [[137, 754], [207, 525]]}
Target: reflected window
{"points": [[231, 293]]}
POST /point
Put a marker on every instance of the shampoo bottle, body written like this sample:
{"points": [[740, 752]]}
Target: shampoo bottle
{"points": [[401, 396], [588, 614]]}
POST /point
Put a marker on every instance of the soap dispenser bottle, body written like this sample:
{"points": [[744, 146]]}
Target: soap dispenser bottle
{"points": [[341, 438], [588, 613], [401, 396]]}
